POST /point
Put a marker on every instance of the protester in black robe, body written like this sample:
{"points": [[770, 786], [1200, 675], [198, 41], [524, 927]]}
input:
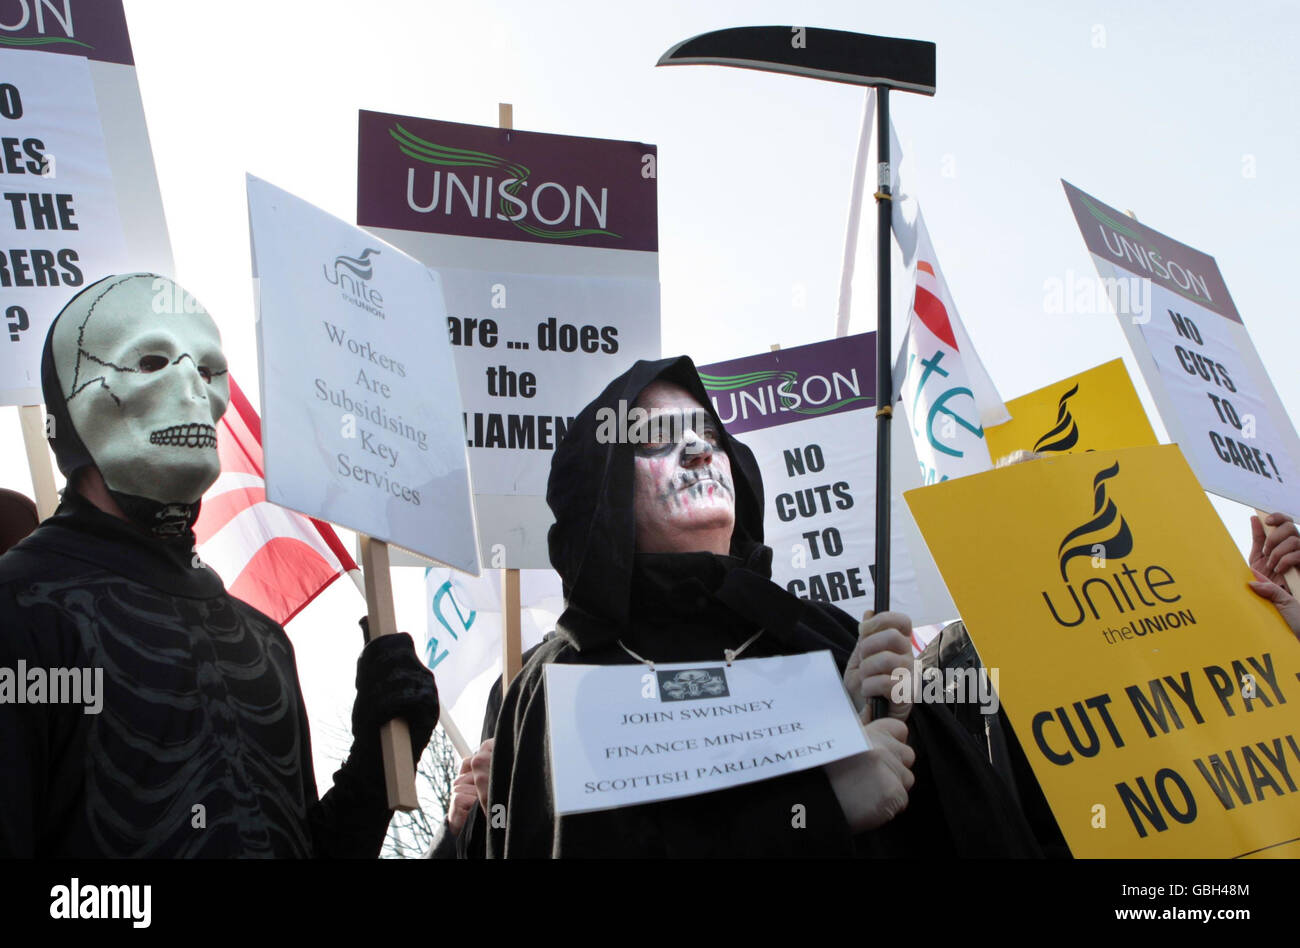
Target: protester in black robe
{"points": [[189, 736], [678, 607]]}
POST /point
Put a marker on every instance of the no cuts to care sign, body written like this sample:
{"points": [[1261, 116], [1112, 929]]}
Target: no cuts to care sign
{"points": [[1212, 390]]}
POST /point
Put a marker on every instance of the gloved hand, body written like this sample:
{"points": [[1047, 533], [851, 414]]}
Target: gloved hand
{"points": [[352, 818], [392, 682]]}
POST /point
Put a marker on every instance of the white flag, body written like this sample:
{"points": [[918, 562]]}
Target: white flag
{"points": [[464, 640], [948, 398], [933, 379]]}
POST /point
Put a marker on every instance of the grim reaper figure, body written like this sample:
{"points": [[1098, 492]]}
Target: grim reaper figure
{"points": [[200, 746], [660, 547]]}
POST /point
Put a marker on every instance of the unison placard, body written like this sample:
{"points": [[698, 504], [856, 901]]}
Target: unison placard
{"points": [[76, 168], [1213, 392], [807, 414], [555, 241]]}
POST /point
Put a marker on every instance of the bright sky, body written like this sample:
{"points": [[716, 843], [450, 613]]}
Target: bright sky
{"points": [[1170, 109]]}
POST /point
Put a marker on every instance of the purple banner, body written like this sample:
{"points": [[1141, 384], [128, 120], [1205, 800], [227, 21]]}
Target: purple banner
{"points": [[476, 181], [1144, 252], [95, 29], [776, 388]]}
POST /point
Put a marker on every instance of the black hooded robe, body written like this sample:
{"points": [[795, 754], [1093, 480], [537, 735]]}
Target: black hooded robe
{"points": [[690, 607], [201, 746]]}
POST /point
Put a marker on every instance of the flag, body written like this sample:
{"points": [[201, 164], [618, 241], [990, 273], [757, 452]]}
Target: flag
{"points": [[935, 378], [463, 647], [947, 395], [274, 559]]}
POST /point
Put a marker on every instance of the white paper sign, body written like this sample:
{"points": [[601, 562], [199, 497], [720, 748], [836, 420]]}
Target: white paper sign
{"points": [[623, 734], [808, 414], [1213, 392], [362, 422], [548, 304], [531, 351], [1235, 433], [59, 225]]}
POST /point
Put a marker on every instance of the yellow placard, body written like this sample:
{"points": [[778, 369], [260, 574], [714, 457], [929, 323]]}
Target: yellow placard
{"points": [[1097, 410], [1157, 698]]}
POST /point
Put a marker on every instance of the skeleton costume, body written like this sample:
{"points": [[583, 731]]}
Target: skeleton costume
{"points": [[688, 607], [188, 736]]}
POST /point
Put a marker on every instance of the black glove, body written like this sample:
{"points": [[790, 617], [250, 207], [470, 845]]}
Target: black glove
{"points": [[392, 682]]}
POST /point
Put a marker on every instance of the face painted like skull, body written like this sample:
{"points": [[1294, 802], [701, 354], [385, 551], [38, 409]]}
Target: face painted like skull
{"points": [[145, 381], [684, 499]]}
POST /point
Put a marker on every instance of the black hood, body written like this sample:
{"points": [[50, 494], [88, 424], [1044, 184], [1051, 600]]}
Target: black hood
{"points": [[592, 542]]}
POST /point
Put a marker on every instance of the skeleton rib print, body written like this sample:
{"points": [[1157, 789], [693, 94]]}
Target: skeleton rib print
{"points": [[217, 727]]}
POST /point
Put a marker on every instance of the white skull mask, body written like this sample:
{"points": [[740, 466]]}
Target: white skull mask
{"points": [[145, 382]]}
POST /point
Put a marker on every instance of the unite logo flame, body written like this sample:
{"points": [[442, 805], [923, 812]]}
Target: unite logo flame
{"points": [[1065, 434], [1100, 530], [361, 265]]}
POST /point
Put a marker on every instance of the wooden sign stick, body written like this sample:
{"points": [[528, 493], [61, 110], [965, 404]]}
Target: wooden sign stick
{"points": [[395, 736], [1292, 575], [32, 419], [511, 647]]}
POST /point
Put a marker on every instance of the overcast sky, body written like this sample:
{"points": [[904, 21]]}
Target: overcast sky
{"points": [[1182, 112]]}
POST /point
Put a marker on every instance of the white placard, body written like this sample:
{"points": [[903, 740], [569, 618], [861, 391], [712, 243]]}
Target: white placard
{"points": [[808, 415], [623, 734], [1209, 384], [59, 224], [531, 351], [1217, 401], [362, 421], [569, 286]]}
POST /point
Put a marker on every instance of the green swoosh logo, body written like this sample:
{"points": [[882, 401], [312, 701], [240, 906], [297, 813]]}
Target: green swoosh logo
{"points": [[40, 41], [1111, 222]]}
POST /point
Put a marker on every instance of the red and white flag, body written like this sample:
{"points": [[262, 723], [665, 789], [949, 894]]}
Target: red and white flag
{"points": [[946, 394], [274, 559]]}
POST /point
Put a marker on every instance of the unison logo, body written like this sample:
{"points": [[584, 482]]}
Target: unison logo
{"points": [[1104, 538], [352, 276], [1124, 243], [557, 208], [780, 390], [27, 10], [1065, 434]]}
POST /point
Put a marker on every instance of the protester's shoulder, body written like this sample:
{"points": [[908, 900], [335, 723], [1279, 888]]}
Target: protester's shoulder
{"points": [[554, 649], [557, 649], [33, 560], [26, 629]]}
